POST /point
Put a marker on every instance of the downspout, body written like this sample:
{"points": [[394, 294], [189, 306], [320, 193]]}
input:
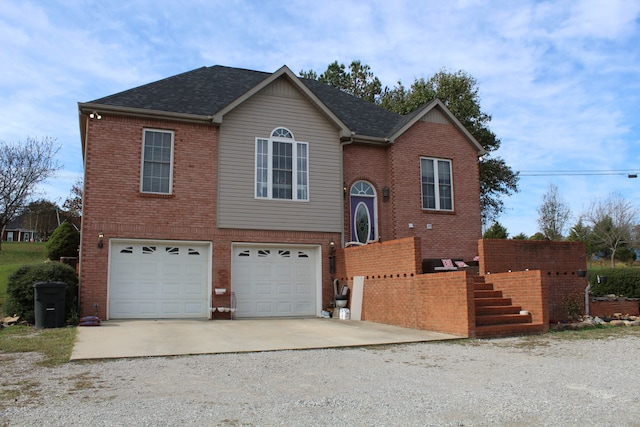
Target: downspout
{"points": [[84, 181], [344, 142], [586, 299]]}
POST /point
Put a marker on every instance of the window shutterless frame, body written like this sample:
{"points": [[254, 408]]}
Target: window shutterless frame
{"points": [[156, 175], [436, 184], [281, 167]]}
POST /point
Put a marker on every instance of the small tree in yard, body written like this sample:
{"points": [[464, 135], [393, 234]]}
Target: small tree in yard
{"points": [[496, 231], [73, 204], [22, 167], [553, 214], [613, 221], [64, 242]]}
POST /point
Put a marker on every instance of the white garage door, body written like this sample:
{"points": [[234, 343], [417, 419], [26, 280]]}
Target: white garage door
{"points": [[155, 280], [273, 281]]}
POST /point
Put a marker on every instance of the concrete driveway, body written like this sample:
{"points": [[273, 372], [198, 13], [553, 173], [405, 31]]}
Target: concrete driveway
{"points": [[143, 338]]}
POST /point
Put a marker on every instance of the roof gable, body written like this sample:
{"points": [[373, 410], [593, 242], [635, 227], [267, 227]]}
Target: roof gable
{"points": [[283, 72], [437, 112]]}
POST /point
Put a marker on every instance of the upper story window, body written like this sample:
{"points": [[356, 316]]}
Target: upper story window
{"points": [[437, 185], [157, 159], [282, 167]]}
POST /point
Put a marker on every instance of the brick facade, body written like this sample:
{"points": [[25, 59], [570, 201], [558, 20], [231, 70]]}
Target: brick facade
{"points": [[528, 289], [608, 308], [368, 163], [397, 167], [452, 234], [115, 207], [396, 293], [558, 262]]}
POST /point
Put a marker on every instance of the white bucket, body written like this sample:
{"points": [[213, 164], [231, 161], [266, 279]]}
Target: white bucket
{"points": [[344, 314]]}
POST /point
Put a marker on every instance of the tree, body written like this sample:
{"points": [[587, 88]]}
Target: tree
{"points": [[520, 236], [459, 92], [553, 214], [22, 167], [613, 221], [359, 81], [73, 204], [64, 242], [496, 231], [537, 236], [41, 216], [582, 233]]}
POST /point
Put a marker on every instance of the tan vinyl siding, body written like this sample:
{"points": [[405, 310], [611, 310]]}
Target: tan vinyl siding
{"points": [[436, 116], [279, 105]]}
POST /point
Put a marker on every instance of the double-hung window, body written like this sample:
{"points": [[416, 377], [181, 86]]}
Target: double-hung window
{"points": [[437, 186], [157, 159], [282, 167]]}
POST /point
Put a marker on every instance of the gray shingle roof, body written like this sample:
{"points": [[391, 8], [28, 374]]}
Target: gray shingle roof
{"points": [[203, 91], [207, 90]]}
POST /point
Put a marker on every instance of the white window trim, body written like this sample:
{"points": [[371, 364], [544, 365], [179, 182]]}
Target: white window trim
{"points": [[172, 133], [437, 184], [294, 156]]}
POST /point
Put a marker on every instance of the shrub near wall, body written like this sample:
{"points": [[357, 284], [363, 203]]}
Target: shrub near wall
{"points": [[623, 282], [20, 292]]}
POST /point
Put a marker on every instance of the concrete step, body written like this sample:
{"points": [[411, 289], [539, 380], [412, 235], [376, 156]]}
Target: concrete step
{"points": [[502, 319], [498, 309]]}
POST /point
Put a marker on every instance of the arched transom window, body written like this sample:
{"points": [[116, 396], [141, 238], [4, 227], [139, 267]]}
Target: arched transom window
{"points": [[362, 188], [282, 167]]}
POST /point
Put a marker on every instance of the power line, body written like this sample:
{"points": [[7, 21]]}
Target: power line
{"points": [[628, 172]]}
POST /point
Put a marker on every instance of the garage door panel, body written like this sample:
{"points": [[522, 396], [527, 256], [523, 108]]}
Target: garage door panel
{"points": [[194, 290], [148, 308], [146, 269], [303, 289], [194, 308], [144, 289], [171, 309], [263, 308], [159, 280], [171, 289], [283, 271], [263, 270], [274, 282], [284, 290], [261, 289], [284, 308]]}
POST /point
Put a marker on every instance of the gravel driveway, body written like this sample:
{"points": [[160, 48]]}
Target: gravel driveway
{"points": [[530, 381]]}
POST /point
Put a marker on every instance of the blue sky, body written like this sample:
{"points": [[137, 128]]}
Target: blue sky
{"points": [[561, 79]]}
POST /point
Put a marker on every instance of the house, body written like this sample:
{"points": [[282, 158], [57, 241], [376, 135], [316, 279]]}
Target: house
{"points": [[224, 187], [37, 223], [20, 230]]}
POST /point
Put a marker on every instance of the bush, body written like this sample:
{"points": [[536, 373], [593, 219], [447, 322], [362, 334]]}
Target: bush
{"points": [[624, 282], [63, 242], [20, 290]]}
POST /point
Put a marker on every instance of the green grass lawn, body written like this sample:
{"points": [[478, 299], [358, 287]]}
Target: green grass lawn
{"points": [[55, 344], [14, 255]]}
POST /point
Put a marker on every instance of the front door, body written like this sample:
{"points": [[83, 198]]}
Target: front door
{"points": [[363, 212]]}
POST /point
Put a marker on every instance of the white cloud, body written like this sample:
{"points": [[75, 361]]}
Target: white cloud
{"points": [[561, 79]]}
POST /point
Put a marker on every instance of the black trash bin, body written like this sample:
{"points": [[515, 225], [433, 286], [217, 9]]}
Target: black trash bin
{"points": [[49, 300]]}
